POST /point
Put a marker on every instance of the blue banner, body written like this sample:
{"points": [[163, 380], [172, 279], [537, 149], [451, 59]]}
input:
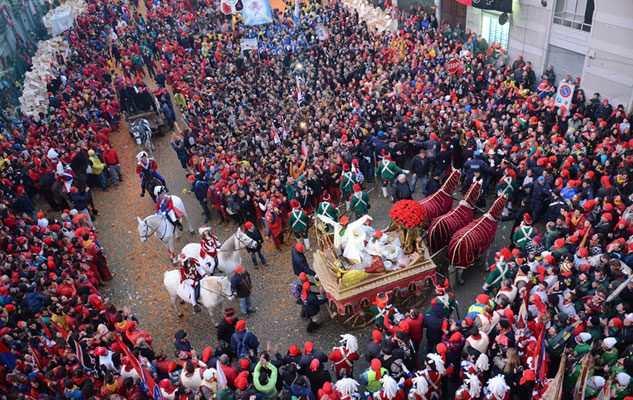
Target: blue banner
{"points": [[257, 12]]}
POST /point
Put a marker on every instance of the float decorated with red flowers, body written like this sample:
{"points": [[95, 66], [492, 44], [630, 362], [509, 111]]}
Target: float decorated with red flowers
{"points": [[408, 217]]}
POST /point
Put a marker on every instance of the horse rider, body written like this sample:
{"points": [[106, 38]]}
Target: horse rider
{"points": [[190, 276], [149, 166], [165, 206], [209, 244]]}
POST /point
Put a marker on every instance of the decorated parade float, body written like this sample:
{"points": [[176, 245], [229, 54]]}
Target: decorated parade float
{"points": [[355, 263]]}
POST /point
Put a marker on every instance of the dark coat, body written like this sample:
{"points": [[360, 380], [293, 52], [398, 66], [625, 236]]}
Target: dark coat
{"points": [[300, 263], [318, 378], [312, 305], [433, 323], [432, 186], [256, 235], [241, 284], [249, 338], [401, 191], [226, 329]]}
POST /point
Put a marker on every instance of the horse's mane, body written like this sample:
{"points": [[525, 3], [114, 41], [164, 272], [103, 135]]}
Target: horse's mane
{"points": [[229, 244]]}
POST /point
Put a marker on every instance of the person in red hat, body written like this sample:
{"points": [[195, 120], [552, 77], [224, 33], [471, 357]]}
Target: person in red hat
{"points": [[255, 251], [209, 244], [346, 186], [524, 232], [274, 221], [299, 261], [244, 343], [298, 220], [359, 201], [387, 170]]}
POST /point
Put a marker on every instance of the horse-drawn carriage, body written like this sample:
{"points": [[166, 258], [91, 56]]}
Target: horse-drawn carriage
{"points": [[142, 105], [350, 297]]}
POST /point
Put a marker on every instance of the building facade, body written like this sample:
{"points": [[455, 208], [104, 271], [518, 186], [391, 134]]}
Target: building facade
{"points": [[590, 39], [20, 30]]}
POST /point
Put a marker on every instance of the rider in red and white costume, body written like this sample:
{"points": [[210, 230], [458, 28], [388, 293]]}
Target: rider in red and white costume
{"points": [[347, 389], [433, 373], [470, 389], [391, 390], [190, 276], [209, 244], [165, 206], [343, 357], [497, 389]]}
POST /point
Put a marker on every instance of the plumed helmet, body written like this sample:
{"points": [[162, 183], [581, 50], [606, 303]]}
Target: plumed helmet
{"points": [[141, 154], [158, 190]]}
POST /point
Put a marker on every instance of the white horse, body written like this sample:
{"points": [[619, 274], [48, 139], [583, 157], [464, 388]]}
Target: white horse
{"points": [[229, 256], [159, 226], [213, 291]]}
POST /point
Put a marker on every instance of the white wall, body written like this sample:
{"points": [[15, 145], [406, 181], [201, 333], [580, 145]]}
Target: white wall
{"points": [[609, 62], [608, 67]]}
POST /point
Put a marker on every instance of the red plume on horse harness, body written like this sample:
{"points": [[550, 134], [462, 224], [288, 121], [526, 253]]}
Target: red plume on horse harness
{"points": [[443, 227], [472, 240], [441, 201]]}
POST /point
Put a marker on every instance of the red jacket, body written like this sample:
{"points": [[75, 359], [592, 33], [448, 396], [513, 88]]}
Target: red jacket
{"points": [[415, 328]]}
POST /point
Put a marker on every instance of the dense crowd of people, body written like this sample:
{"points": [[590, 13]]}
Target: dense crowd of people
{"points": [[287, 127]]}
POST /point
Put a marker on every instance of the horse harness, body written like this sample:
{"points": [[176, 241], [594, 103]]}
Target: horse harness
{"points": [[147, 235]]}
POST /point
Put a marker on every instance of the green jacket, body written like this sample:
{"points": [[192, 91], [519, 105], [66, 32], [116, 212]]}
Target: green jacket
{"points": [[359, 202], [269, 390], [347, 183], [298, 221], [326, 209], [388, 171]]}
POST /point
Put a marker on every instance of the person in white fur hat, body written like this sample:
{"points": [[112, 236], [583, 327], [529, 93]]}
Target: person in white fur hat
{"points": [[419, 388], [497, 389], [621, 385], [391, 390], [470, 389], [347, 388], [583, 345], [609, 354], [209, 386]]}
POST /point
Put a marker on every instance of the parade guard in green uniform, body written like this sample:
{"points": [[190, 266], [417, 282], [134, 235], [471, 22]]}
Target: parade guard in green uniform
{"points": [[387, 171], [298, 220], [359, 201], [348, 180], [524, 233]]}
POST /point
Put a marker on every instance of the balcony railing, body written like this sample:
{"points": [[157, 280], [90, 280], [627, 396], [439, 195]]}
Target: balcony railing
{"points": [[571, 20]]}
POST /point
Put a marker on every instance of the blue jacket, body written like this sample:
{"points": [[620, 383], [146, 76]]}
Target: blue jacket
{"points": [[300, 263], [246, 336], [35, 301]]}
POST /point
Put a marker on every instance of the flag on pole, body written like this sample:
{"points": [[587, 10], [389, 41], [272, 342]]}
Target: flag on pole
{"points": [[299, 80], [554, 390], [523, 310], [6, 357], [60, 329], [82, 354], [297, 11], [304, 150], [541, 362], [36, 357], [275, 135], [149, 384], [222, 381], [581, 383]]}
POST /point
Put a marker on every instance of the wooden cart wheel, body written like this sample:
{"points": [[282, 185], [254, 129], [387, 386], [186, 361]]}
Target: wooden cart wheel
{"points": [[356, 320], [332, 308], [416, 298]]}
